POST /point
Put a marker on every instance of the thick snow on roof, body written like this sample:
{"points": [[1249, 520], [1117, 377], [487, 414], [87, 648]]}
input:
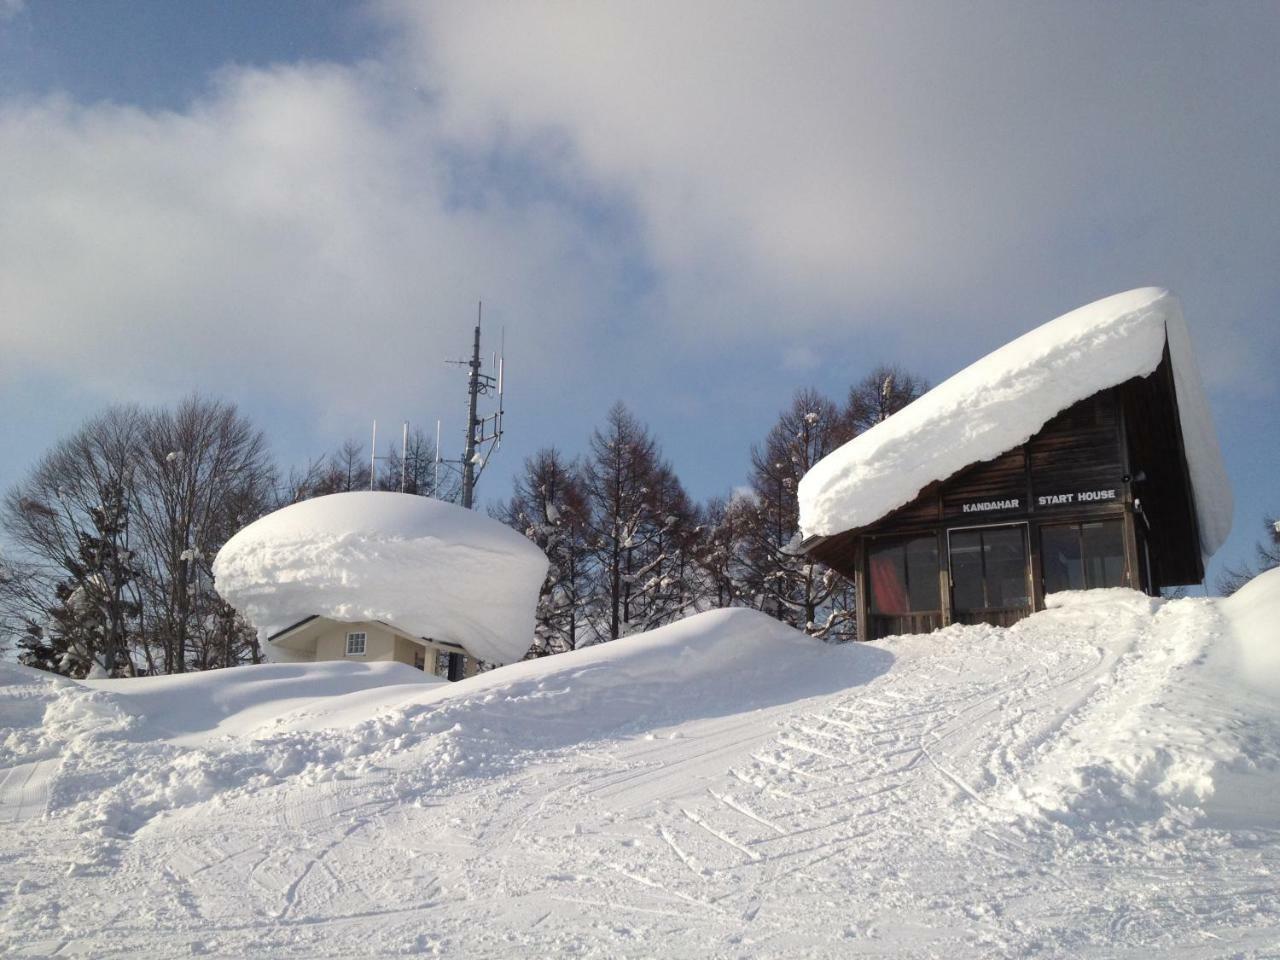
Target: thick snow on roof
{"points": [[427, 567], [1002, 400]]}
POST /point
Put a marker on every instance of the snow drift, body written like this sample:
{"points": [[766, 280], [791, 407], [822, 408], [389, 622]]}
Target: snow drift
{"points": [[428, 567], [1003, 399], [1098, 780]]}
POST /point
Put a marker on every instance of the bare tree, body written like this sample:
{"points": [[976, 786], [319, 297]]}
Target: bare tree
{"points": [[784, 582], [203, 472], [623, 479], [549, 506], [1266, 556], [880, 394]]}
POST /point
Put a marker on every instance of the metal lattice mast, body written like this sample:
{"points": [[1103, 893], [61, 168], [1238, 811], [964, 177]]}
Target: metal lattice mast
{"points": [[473, 396]]}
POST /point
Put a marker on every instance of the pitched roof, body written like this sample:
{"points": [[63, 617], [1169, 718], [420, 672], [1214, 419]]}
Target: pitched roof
{"points": [[1000, 401]]}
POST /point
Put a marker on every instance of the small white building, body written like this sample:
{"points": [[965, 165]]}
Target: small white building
{"points": [[384, 576], [320, 638]]}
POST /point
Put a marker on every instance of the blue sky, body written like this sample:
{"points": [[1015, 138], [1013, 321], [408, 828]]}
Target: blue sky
{"points": [[694, 209]]}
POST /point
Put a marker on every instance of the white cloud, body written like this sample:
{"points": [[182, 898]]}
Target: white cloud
{"points": [[296, 231], [927, 177], [985, 166]]}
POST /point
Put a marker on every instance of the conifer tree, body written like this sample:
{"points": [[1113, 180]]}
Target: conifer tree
{"points": [[93, 614]]}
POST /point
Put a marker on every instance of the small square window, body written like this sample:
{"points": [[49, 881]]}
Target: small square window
{"points": [[355, 644]]}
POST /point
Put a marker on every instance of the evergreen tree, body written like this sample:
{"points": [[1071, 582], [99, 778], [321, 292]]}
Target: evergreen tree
{"points": [[88, 628]]}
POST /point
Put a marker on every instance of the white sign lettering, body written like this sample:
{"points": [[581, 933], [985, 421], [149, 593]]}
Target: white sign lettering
{"points": [[1081, 496], [985, 506]]}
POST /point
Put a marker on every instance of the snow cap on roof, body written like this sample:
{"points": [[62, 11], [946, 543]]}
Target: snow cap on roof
{"points": [[1003, 399], [426, 567]]}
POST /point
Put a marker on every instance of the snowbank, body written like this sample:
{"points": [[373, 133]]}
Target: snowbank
{"points": [[1253, 613], [1003, 399], [1097, 780], [427, 567], [193, 708]]}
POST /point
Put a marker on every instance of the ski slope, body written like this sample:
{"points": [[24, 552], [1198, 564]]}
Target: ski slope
{"points": [[1098, 781]]}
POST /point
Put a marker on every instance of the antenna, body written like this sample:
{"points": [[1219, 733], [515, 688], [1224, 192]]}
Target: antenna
{"points": [[404, 453], [483, 433], [373, 455], [435, 479]]}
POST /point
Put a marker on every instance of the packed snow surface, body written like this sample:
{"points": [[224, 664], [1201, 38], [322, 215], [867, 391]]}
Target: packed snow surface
{"points": [[1002, 400], [1100, 780], [428, 567]]}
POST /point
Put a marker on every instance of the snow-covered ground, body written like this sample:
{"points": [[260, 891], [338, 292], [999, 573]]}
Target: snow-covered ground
{"points": [[1100, 780]]}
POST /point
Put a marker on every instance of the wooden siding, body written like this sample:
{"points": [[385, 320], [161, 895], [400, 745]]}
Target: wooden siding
{"points": [[1117, 455], [1167, 521], [1078, 450], [1002, 480]]}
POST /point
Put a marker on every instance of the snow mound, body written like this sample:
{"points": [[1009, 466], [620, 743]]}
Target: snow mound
{"points": [[1254, 614], [1003, 399], [1097, 780], [252, 700], [424, 566]]}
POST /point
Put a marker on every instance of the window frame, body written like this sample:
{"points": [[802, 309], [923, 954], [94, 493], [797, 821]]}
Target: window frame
{"points": [[1077, 527], [364, 643], [1024, 526], [901, 541]]}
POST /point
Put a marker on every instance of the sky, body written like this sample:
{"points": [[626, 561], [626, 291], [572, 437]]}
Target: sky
{"points": [[694, 208]]}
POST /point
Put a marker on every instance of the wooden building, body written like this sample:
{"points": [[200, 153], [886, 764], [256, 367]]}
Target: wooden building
{"points": [[1101, 494]]}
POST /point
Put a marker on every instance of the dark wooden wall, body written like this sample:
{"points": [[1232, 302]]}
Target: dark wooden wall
{"points": [[1161, 482], [1100, 443]]}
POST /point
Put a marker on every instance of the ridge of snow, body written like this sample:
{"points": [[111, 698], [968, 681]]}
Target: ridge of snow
{"points": [[1001, 400], [429, 568]]}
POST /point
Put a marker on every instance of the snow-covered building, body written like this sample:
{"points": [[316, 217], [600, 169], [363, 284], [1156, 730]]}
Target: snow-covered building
{"points": [[368, 641], [1080, 455], [384, 576]]}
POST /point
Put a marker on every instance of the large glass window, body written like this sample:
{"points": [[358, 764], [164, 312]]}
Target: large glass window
{"points": [[903, 576], [1081, 556], [989, 569]]}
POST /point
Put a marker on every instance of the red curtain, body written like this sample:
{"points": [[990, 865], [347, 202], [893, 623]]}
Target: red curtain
{"points": [[888, 588]]}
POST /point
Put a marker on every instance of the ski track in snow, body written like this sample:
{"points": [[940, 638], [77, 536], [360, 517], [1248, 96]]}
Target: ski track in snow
{"points": [[933, 809]]}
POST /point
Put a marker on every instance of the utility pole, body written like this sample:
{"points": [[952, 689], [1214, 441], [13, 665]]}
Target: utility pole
{"points": [[473, 395]]}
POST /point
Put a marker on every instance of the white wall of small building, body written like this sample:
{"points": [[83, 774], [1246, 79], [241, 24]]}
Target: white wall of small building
{"points": [[323, 639]]}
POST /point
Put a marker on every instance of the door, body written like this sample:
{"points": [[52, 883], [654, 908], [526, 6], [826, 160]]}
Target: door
{"points": [[457, 667], [990, 574]]}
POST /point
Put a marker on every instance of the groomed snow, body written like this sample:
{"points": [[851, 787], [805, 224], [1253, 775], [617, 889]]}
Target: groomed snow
{"points": [[1099, 780], [1003, 399], [430, 568]]}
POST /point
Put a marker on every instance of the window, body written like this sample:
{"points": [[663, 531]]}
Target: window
{"points": [[420, 659], [1081, 556], [989, 569], [355, 644], [903, 576]]}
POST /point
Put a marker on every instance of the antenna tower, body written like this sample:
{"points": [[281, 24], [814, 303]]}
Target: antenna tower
{"points": [[483, 434]]}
